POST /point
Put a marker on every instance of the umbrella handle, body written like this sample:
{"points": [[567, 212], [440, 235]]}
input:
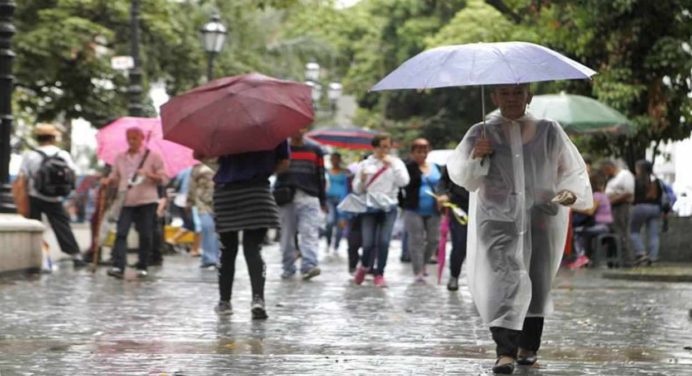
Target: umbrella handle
{"points": [[483, 135]]}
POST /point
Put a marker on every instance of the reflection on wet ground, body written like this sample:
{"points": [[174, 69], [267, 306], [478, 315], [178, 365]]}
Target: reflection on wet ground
{"points": [[75, 322]]}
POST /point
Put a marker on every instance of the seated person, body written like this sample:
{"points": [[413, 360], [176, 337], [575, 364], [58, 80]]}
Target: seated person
{"points": [[591, 222]]}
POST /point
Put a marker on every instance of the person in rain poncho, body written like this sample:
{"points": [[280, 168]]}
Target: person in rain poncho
{"points": [[523, 173]]}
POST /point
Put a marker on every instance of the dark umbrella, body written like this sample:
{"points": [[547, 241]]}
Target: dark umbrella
{"points": [[237, 114]]}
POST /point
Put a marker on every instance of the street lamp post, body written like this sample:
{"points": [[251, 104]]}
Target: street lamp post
{"points": [[334, 93], [135, 90], [6, 81], [312, 78], [213, 37]]}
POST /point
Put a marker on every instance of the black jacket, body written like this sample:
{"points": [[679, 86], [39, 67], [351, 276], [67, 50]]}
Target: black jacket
{"points": [[408, 195], [457, 194]]}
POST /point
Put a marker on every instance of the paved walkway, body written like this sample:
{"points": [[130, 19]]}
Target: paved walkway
{"points": [[78, 323]]}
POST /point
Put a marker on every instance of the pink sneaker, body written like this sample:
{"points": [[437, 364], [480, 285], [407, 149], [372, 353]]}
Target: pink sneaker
{"points": [[379, 281], [359, 277], [579, 262]]}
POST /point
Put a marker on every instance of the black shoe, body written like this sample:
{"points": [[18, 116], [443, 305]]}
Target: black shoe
{"points": [[116, 272], [453, 284], [504, 369], [157, 262], [223, 309], [78, 262], [258, 310]]}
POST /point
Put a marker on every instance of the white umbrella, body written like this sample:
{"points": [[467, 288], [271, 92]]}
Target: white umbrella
{"points": [[483, 64]]}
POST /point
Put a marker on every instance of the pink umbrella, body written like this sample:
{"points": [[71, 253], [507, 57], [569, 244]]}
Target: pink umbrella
{"points": [[442, 247], [111, 141], [237, 114]]}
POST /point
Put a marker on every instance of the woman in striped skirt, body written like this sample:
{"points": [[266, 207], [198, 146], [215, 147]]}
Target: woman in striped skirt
{"points": [[244, 202]]}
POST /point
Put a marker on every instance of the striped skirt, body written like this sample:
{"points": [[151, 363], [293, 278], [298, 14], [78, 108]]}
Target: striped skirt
{"points": [[245, 206]]}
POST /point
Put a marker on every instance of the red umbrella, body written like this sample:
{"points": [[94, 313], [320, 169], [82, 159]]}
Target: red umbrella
{"points": [[111, 141], [237, 114]]}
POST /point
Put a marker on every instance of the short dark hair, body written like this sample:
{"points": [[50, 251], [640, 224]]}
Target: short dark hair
{"points": [[336, 154], [379, 138], [45, 138], [420, 143]]}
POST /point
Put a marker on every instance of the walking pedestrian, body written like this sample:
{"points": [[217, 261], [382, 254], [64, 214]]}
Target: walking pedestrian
{"points": [[338, 187], [49, 175], [302, 200], [448, 192], [523, 171], [421, 211], [646, 213], [136, 172], [243, 202], [200, 195], [379, 177], [620, 192]]}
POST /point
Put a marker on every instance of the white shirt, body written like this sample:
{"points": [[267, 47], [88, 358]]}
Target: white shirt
{"points": [[31, 161], [621, 183]]}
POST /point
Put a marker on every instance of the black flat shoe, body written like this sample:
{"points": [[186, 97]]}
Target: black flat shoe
{"points": [[504, 369]]}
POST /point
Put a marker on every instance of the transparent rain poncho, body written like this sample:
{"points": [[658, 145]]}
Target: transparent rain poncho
{"points": [[516, 234]]}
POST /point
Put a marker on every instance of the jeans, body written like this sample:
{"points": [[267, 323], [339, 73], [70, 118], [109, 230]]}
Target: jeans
{"points": [[210, 241], [423, 237], [458, 233], [621, 226], [302, 216], [143, 217], [648, 215], [252, 246], [333, 219], [377, 232]]}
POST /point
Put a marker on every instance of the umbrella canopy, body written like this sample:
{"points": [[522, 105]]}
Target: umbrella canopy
{"points": [[579, 114], [483, 64], [237, 114], [347, 138], [111, 140]]}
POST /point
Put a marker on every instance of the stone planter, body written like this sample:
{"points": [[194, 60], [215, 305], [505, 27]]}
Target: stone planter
{"points": [[20, 243]]}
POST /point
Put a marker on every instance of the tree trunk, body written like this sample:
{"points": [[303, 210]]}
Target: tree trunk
{"points": [[67, 136]]}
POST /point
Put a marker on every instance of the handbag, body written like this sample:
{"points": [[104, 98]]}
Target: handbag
{"points": [[119, 201], [21, 196], [283, 195], [358, 202]]}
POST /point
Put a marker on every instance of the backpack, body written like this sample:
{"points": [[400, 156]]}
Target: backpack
{"points": [[54, 177]]}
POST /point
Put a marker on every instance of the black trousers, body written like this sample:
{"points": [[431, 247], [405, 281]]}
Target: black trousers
{"points": [[59, 221], [355, 241], [143, 217], [252, 245], [459, 234], [508, 341]]}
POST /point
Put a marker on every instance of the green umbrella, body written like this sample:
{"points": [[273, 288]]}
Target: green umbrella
{"points": [[579, 114]]}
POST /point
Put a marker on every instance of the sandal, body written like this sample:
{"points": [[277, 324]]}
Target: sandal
{"points": [[504, 368]]}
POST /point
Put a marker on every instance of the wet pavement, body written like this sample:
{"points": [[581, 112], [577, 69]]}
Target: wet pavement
{"points": [[73, 322]]}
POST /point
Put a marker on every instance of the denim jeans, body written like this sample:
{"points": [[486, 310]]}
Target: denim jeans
{"points": [[210, 241], [377, 232], [333, 219], [303, 216], [648, 215], [143, 217]]}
